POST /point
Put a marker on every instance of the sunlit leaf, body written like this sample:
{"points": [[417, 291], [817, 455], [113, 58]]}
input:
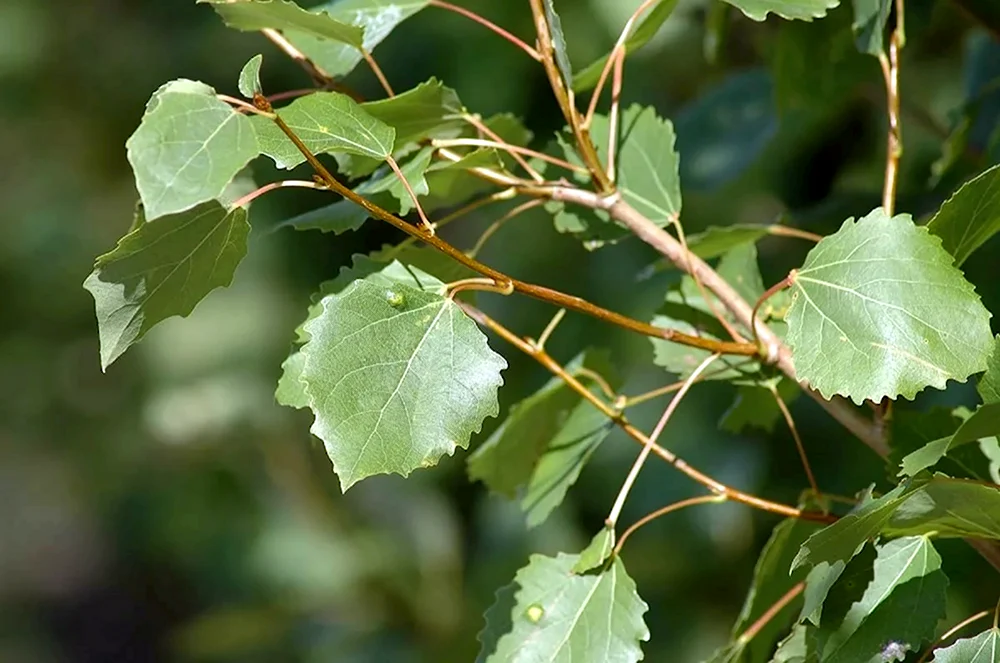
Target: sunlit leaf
{"points": [[984, 422], [983, 648], [904, 600], [164, 268], [874, 311], [970, 217], [723, 132], [188, 148], [325, 122], [561, 616], [378, 18], [396, 378], [870, 17], [791, 9], [253, 15], [587, 78], [249, 83], [831, 589]]}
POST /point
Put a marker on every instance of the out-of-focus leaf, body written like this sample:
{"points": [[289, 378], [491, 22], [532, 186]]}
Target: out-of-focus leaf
{"points": [[377, 18], [983, 648], [164, 268], [325, 122], [396, 377], [755, 407], [559, 616], [188, 148], [253, 15], [970, 217], [726, 129], [587, 77], [989, 384], [870, 17], [984, 422], [874, 312], [805, 10], [249, 83]]}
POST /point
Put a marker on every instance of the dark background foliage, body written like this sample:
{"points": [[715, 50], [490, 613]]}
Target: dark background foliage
{"points": [[171, 511]]}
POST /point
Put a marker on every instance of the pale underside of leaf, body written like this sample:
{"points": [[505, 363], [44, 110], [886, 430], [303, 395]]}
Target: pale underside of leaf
{"points": [[805, 10]]}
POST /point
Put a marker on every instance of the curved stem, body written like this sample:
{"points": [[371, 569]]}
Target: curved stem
{"points": [[512, 149], [488, 25], [676, 506], [496, 225], [795, 435], [619, 420], [538, 292], [504, 145], [597, 379], [413, 194], [770, 292], [283, 184], [786, 231], [633, 474]]}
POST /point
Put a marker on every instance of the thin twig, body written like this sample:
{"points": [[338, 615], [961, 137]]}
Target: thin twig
{"points": [[633, 474], [622, 422], [952, 631], [795, 435], [489, 25], [319, 76], [549, 328], [632, 401], [894, 142], [616, 94], [677, 506], [512, 149], [283, 184], [240, 104], [770, 613], [413, 194], [496, 225], [770, 292], [382, 80], [787, 231], [502, 144], [597, 379], [538, 292]]}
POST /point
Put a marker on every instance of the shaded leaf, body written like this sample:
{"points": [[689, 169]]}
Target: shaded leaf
{"points": [[984, 422], [162, 269], [253, 15], [832, 588], [724, 131], [755, 407], [249, 83], [596, 552], [870, 17], [188, 148], [559, 44], [560, 616], [970, 217], [325, 122], [791, 9], [983, 648], [498, 621], [948, 508], [587, 78], [291, 391], [913, 430], [506, 461], [715, 241], [396, 378], [989, 384], [377, 18], [798, 647], [874, 310], [905, 598]]}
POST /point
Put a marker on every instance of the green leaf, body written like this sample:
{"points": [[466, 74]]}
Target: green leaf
{"points": [[771, 580], [805, 10], [874, 313], [337, 218], [755, 407], [498, 621], [396, 378], [188, 148], [726, 129], [507, 460], [984, 648], [377, 18], [164, 268], [559, 44], [798, 647], [429, 110], [587, 78], [739, 268], [291, 391], [249, 84], [905, 599], [596, 552], [970, 217], [559, 616], [714, 241], [948, 508], [913, 430], [831, 589], [989, 384], [843, 539], [253, 15], [325, 122], [870, 17], [559, 467], [984, 422]]}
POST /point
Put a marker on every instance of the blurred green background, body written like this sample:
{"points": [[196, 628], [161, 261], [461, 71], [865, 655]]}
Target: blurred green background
{"points": [[171, 511]]}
